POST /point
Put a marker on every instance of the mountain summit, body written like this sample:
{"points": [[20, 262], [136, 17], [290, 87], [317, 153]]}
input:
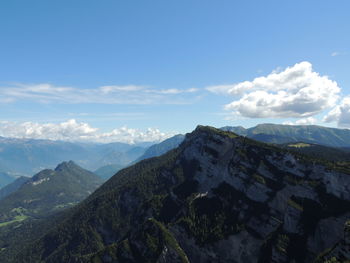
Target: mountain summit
{"points": [[218, 197], [49, 191]]}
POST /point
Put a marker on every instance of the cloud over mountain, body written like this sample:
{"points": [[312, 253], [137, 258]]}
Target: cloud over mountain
{"points": [[72, 130], [297, 92], [303, 121], [340, 113]]}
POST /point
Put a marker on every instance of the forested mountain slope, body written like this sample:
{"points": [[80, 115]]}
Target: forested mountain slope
{"points": [[218, 197], [38, 199]]}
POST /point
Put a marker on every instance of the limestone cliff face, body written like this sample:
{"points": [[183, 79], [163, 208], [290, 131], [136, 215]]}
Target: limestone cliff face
{"points": [[219, 197], [291, 209]]}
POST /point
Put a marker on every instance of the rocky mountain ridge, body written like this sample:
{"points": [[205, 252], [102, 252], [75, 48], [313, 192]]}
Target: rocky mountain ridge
{"points": [[218, 197]]}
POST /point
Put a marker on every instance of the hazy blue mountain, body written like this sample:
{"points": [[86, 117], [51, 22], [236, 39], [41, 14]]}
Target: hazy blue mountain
{"points": [[5, 179], [154, 150], [28, 156], [218, 197], [276, 133], [144, 144], [162, 147], [13, 186], [107, 171], [121, 158], [114, 161]]}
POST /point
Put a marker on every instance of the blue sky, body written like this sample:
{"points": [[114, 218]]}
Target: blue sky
{"points": [[148, 64]]}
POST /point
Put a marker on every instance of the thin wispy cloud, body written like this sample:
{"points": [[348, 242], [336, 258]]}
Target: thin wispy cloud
{"points": [[338, 53], [73, 130], [295, 92], [111, 116], [334, 54], [130, 94]]}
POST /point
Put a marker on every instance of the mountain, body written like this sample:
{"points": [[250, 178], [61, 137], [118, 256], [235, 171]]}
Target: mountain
{"points": [[107, 171], [12, 187], [276, 133], [5, 179], [38, 203], [48, 192], [29, 156], [162, 147], [218, 197], [121, 158], [333, 154], [155, 150]]}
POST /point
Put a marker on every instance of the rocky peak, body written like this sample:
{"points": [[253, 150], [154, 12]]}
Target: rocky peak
{"points": [[66, 166], [286, 188], [40, 176]]}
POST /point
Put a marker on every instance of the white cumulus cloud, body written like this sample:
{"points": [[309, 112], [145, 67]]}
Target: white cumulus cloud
{"points": [[304, 121], [297, 92], [340, 114], [72, 130]]}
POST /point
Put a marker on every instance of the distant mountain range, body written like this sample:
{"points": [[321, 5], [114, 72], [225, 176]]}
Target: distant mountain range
{"points": [[155, 150], [107, 171], [275, 133], [28, 156], [162, 147], [218, 197]]}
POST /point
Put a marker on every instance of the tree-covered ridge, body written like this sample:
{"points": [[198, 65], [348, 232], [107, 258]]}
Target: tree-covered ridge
{"points": [[50, 190], [195, 202], [278, 133], [38, 198]]}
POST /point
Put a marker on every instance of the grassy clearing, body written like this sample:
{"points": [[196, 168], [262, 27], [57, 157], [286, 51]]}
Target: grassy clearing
{"points": [[18, 218], [299, 145], [65, 205]]}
